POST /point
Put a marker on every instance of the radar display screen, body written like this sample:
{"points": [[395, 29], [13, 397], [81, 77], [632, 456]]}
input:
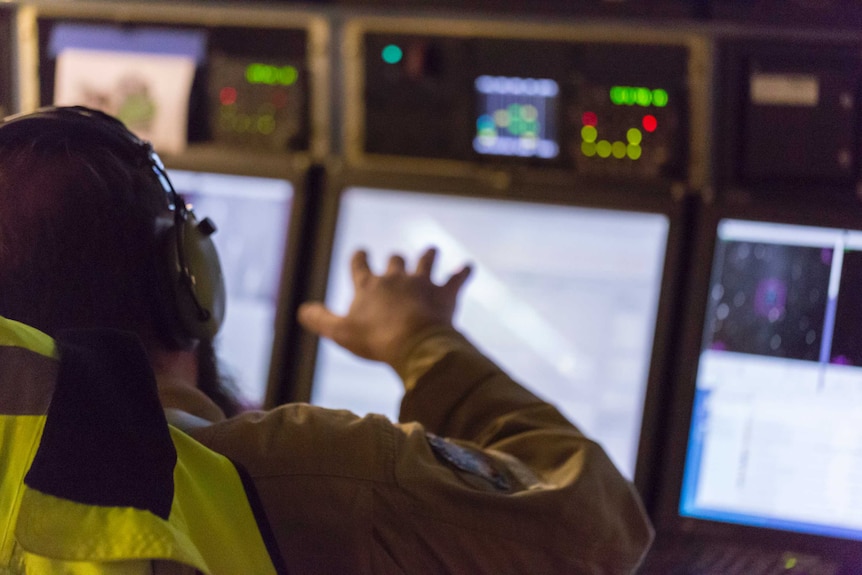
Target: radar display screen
{"points": [[517, 117]]}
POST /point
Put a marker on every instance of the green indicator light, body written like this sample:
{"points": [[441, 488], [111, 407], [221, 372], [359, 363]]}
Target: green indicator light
{"points": [[603, 149], [643, 97], [287, 75], [618, 149], [635, 95], [392, 54], [519, 127], [589, 133], [790, 563], [588, 149], [271, 75], [634, 152], [634, 136], [253, 73]]}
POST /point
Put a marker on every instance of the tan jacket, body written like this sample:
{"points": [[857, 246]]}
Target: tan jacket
{"points": [[516, 488]]}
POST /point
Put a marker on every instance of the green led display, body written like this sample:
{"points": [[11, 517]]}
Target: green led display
{"points": [[271, 75], [638, 96]]}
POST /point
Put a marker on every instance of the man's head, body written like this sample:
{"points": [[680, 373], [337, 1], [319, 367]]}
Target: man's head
{"points": [[93, 235]]}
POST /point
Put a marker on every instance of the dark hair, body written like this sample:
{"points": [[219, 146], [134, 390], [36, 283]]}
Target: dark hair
{"points": [[77, 234], [76, 237]]}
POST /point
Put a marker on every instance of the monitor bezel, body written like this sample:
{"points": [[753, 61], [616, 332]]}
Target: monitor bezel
{"points": [[672, 528], [303, 179], [497, 186]]}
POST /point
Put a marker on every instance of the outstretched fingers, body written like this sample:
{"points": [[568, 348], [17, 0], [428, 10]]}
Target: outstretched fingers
{"points": [[426, 263], [314, 317], [454, 284], [359, 268], [396, 265]]}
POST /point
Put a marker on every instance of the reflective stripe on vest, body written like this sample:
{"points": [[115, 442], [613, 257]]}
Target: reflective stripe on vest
{"points": [[51, 524]]}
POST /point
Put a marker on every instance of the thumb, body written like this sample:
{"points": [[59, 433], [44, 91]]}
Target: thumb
{"points": [[314, 317]]}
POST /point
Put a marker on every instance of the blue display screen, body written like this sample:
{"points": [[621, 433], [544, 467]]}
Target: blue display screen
{"points": [[516, 117]]}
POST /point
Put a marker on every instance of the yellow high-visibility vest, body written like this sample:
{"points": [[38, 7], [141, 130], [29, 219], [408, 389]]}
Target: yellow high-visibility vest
{"points": [[94, 480]]}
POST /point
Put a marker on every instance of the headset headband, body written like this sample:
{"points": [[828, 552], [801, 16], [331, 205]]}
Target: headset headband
{"points": [[193, 277]]}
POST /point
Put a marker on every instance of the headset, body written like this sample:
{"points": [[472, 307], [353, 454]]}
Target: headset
{"points": [[191, 284]]}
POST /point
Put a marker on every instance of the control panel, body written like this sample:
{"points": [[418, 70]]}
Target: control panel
{"points": [[598, 109]]}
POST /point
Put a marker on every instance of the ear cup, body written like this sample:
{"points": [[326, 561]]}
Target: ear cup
{"points": [[190, 287], [191, 277]]}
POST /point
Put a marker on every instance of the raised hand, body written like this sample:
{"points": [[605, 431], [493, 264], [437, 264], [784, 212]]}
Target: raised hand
{"points": [[387, 309]]}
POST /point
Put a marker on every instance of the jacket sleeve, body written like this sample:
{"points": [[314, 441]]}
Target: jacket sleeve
{"points": [[479, 477], [557, 474]]}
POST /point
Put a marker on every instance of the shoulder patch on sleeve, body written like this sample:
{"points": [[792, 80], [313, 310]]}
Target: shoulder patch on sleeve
{"points": [[471, 461]]}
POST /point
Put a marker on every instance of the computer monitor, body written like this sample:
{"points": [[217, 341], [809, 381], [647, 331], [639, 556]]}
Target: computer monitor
{"points": [[775, 438], [565, 298], [190, 83], [765, 447], [253, 215]]}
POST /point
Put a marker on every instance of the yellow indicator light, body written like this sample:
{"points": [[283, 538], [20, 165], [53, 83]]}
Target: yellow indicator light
{"points": [[634, 136], [266, 124], [618, 149], [589, 133], [603, 149], [634, 152], [501, 118], [790, 563], [588, 149]]}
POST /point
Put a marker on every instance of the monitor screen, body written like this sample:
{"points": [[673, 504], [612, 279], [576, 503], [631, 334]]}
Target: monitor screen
{"points": [[142, 75], [517, 116], [775, 439], [252, 215], [564, 298]]}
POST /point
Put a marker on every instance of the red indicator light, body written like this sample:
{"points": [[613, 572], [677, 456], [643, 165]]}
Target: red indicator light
{"points": [[590, 119], [227, 96], [279, 99], [650, 123]]}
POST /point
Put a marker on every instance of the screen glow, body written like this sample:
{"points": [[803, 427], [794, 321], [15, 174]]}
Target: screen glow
{"points": [[564, 298], [775, 439]]}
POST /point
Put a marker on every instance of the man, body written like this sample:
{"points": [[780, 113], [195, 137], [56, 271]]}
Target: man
{"points": [[480, 476]]}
